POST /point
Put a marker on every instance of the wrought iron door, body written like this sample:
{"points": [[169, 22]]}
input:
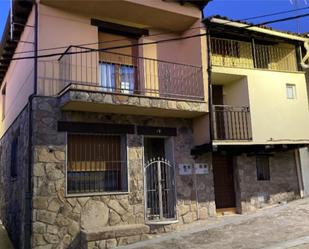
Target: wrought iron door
{"points": [[160, 190]]}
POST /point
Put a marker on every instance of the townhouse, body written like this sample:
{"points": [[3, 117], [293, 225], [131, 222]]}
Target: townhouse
{"points": [[259, 114], [90, 136], [132, 125]]}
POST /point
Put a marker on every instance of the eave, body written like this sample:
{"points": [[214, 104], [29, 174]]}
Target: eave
{"points": [[21, 12]]}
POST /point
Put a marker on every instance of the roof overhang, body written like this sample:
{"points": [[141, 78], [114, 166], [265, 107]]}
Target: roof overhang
{"points": [[247, 27], [21, 12]]}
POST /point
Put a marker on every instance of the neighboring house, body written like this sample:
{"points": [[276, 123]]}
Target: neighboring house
{"points": [[259, 114], [89, 138], [304, 152]]}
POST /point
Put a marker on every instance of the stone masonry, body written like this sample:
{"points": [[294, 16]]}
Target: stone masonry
{"points": [[58, 219], [13, 210], [252, 194]]}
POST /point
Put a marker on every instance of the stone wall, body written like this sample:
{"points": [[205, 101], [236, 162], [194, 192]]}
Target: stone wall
{"points": [[58, 219], [252, 194], [13, 190]]}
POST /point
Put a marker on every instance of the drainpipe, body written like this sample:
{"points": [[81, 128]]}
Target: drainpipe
{"points": [[209, 70], [196, 196], [29, 193], [299, 173]]}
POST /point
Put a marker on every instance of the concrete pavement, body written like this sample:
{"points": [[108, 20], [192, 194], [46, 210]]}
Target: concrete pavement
{"points": [[285, 226]]}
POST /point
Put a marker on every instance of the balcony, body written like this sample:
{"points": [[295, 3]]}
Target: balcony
{"points": [[240, 54], [231, 123], [86, 75]]}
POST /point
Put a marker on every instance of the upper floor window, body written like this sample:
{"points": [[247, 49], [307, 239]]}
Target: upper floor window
{"points": [[14, 157], [118, 66], [262, 168], [291, 91], [96, 163]]}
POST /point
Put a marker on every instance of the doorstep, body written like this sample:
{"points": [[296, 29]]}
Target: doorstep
{"points": [[226, 211]]}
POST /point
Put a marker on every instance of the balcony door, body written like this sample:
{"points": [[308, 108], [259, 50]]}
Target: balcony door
{"points": [[219, 119], [117, 67]]}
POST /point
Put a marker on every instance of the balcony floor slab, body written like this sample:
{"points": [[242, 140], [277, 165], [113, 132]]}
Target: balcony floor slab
{"points": [[102, 102]]}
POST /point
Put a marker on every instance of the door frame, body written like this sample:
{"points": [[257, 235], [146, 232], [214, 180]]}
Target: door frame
{"points": [[144, 180]]}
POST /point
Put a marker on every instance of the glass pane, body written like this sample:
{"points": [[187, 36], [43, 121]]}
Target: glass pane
{"points": [[107, 76], [290, 91], [127, 74]]}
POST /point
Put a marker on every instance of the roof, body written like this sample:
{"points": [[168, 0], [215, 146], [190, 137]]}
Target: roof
{"points": [[222, 20], [21, 11], [199, 3]]}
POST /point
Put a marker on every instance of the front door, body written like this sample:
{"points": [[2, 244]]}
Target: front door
{"points": [[224, 181], [159, 182]]}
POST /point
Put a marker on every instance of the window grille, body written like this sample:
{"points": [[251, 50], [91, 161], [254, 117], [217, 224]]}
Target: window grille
{"points": [[96, 163], [262, 168]]}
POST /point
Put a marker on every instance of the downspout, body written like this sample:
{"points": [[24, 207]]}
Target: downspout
{"points": [[29, 194], [299, 173], [209, 71], [194, 173]]}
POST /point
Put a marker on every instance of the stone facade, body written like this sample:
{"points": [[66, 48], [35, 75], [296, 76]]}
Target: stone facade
{"points": [[252, 194], [105, 220], [132, 101], [13, 190], [58, 219]]}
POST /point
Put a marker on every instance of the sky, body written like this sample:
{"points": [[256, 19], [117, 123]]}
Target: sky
{"points": [[236, 9], [242, 9]]}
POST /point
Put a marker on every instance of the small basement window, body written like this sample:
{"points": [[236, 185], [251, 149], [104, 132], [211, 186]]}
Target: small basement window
{"points": [[262, 168], [96, 163], [290, 91]]}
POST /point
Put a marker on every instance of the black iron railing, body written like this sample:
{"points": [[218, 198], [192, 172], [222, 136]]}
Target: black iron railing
{"points": [[231, 123], [234, 53], [120, 73]]}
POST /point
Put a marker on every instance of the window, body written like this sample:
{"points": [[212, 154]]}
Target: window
{"points": [[3, 101], [118, 67], [291, 91], [115, 77], [14, 157], [262, 168], [96, 163]]}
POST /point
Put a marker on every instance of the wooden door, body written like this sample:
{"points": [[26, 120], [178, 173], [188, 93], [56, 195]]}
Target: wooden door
{"points": [[217, 94], [224, 181], [217, 100]]}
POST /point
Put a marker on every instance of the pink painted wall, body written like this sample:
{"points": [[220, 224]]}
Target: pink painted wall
{"points": [[18, 80]]}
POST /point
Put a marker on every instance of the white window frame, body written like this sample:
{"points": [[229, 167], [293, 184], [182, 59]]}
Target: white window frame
{"points": [[290, 90]]}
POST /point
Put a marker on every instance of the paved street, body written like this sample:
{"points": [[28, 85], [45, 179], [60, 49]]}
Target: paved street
{"points": [[285, 226]]}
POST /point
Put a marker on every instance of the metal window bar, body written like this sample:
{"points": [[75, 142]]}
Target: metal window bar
{"points": [[95, 164], [231, 123], [233, 53]]}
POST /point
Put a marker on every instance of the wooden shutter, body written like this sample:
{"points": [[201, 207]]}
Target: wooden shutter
{"points": [[94, 153]]}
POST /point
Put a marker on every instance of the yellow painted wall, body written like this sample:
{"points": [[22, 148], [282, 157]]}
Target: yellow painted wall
{"points": [[275, 119]]}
